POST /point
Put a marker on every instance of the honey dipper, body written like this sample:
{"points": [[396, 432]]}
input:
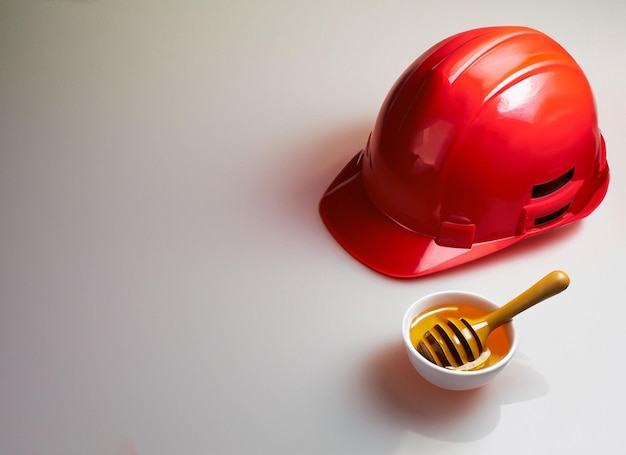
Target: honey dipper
{"points": [[457, 342]]}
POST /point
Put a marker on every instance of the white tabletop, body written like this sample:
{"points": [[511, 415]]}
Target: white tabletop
{"points": [[167, 285]]}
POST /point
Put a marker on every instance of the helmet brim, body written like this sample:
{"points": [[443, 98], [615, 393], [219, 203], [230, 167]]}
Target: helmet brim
{"points": [[379, 242]]}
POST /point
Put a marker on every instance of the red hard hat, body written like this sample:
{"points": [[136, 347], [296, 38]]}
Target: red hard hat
{"points": [[488, 138]]}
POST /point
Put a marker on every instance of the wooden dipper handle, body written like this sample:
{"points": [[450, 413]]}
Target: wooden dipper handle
{"points": [[551, 284]]}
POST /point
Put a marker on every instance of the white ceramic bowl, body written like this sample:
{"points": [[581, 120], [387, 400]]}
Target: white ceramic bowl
{"points": [[444, 377]]}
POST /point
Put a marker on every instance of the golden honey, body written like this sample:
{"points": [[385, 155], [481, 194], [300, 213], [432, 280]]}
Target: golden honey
{"points": [[498, 343]]}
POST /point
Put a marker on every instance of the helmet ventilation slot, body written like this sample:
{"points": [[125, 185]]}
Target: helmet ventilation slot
{"points": [[550, 187], [550, 217]]}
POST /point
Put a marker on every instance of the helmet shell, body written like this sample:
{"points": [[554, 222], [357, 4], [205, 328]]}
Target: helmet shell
{"points": [[489, 137]]}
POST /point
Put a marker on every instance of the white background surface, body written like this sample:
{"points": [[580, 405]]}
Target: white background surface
{"points": [[167, 286]]}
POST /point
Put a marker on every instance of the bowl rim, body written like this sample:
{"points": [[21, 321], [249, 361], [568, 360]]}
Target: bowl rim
{"points": [[410, 314]]}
